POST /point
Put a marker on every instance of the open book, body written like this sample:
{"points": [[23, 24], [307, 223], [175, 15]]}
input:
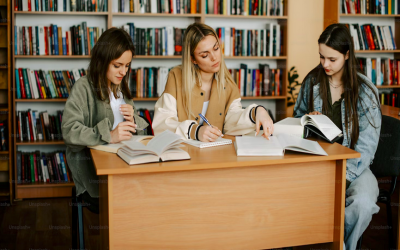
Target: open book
{"points": [[322, 126], [113, 147], [163, 147], [275, 146]]}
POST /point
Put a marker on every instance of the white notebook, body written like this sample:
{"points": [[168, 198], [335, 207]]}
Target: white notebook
{"points": [[275, 146], [220, 141]]}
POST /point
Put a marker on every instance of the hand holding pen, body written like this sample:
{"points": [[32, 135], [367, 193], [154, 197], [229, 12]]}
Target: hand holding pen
{"points": [[208, 133]]}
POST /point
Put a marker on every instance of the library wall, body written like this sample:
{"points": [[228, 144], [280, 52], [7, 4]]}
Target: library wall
{"points": [[305, 27]]}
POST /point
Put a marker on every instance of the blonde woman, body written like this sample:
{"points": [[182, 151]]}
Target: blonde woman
{"points": [[203, 84]]}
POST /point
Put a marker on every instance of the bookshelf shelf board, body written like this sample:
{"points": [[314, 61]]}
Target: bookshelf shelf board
{"points": [[155, 14], [45, 185], [71, 13], [263, 97], [256, 57], [3, 152], [377, 51], [150, 99], [4, 189], [3, 67], [55, 142], [53, 57], [3, 24], [42, 100], [388, 87], [241, 16], [367, 15], [3, 110]]}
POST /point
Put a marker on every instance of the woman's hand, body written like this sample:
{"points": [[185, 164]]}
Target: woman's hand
{"points": [[209, 134], [263, 118], [127, 111], [315, 113], [123, 131]]}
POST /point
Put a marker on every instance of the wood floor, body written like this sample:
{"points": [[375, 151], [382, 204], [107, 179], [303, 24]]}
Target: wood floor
{"points": [[46, 224]]}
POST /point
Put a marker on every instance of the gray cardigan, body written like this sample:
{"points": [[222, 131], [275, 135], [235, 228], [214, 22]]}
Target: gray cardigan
{"points": [[87, 121]]}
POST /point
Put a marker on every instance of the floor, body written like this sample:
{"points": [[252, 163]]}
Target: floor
{"points": [[46, 224]]}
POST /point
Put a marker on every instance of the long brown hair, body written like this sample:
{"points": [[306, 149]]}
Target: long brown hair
{"points": [[337, 36], [191, 73], [110, 46]]}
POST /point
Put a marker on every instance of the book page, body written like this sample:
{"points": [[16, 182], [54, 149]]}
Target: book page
{"points": [[220, 141], [301, 145], [164, 141], [323, 123], [258, 146], [113, 147]]}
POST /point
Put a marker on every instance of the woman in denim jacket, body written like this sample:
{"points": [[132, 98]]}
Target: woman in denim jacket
{"points": [[337, 89]]}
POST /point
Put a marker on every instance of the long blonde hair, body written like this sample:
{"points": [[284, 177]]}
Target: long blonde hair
{"points": [[191, 73]]}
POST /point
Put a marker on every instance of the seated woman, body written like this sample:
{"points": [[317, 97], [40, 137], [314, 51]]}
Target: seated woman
{"points": [[337, 89], [203, 84], [100, 109]]}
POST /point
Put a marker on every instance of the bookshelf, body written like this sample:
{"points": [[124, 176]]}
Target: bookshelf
{"points": [[6, 187], [112, 19], [333, 14]]}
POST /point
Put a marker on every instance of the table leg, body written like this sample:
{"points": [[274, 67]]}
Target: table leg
{"points": [[103, 203], [340, 193]]}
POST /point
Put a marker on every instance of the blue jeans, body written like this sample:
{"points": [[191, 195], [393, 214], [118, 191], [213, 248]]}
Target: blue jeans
{"points": [[361, 197]]}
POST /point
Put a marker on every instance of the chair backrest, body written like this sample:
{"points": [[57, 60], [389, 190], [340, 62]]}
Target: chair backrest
{"points": [[387, 157]]}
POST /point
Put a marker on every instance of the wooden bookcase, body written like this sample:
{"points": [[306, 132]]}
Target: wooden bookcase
{"points": [[6, 187], [110, 18], [333, 14]]}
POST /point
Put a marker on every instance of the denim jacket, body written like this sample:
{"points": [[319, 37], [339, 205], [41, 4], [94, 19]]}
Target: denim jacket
{"points": [[368, 110]]}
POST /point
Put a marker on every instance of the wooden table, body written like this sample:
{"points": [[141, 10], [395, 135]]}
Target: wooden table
{"points": [[217, 200], [393, 112]]}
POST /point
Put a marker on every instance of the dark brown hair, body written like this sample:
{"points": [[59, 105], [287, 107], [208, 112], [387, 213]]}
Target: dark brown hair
{"points": [[337, 36], [110, 46]]}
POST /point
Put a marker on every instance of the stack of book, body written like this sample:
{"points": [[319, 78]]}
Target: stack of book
{"points": [[157, 6], [3, 136], [40, 84], [61, 5], [245, 7], [166, 41], [372, 37], [148, 82], [391, 99], [263, 81], [52, 40], [381, 71], [148, 114], [264, 42], [383, 7], [35, 126], [36, 167]]}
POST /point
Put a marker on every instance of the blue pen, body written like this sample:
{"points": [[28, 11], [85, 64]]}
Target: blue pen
{"points": [[204, 119]]}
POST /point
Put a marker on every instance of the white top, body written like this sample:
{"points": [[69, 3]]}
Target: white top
{"points": [[115, 103], [204, 111]]}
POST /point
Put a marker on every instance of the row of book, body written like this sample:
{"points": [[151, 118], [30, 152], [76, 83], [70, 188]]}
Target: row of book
{"points": [[263, 81], [372, 37], [391, 99], [40, 167], [35, 126], [157, 6], [245, 7], [263, 42], [166, 41], [40, 84], [381, 71], [148, 82], [383, 7], [61, 5], [3, 135], [52, 40]]}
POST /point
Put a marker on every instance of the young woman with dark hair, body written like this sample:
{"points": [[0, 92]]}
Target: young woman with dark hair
{"points": [[100, 109], [338, 89]]}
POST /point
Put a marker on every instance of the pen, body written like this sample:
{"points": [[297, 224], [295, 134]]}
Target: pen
{"points": [[204, 119]]}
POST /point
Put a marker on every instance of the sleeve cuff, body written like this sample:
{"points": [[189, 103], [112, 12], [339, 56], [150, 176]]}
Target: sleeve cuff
{"points": [[104, 128], [193, 132], [252, 115]]}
